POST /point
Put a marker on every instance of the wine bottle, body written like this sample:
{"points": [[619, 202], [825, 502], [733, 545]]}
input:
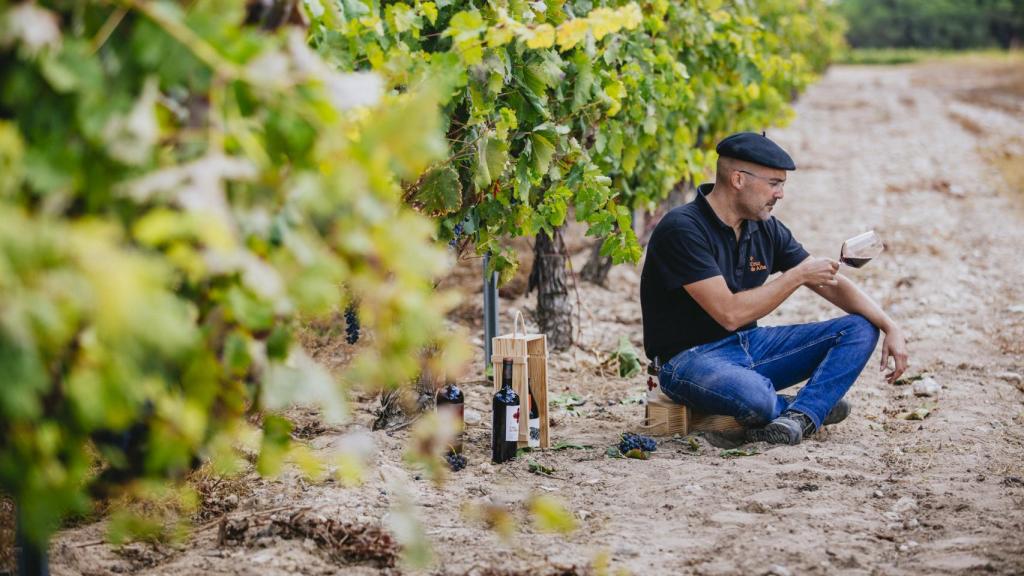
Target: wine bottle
{"points": [[534, 439], [451, 404], [505, 418]]}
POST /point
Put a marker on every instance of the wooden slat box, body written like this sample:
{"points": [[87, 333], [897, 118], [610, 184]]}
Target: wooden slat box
{"points": [[663, 417], [529, 354]]}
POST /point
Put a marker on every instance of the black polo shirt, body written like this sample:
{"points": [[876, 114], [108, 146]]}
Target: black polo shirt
{"points": [[691, 244]]}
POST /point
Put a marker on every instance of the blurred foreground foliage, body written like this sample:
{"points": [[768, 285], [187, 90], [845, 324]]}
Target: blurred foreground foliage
{"points": [[178, 192]]}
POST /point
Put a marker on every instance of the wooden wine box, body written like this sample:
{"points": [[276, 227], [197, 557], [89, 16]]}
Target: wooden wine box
{"points": [[664, 417], [529, 354]]}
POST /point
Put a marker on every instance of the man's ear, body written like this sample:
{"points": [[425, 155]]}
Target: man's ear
{"points": [[736, 179]]}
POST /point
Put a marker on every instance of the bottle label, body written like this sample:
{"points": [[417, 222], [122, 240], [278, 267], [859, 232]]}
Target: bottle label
{"points": [[511, 423], [535, 432]]}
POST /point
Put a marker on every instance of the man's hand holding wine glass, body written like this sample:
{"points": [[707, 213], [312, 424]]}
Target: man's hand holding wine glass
{"points": [[819, 272]]}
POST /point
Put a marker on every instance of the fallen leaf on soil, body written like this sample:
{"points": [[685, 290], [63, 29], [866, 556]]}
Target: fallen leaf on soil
{"points": [[908, 380], [737, 453], [541, 469], [919, 414], [568, 400], [638, 454], [570, 446]]}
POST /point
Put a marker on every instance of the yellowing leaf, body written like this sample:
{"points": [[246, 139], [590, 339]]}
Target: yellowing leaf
{"points": [[465, 29], [499, 35], [550, 515], [631, 15], [430, 11], [614, 91], [571, 33], [465, 26], [542, 36]]}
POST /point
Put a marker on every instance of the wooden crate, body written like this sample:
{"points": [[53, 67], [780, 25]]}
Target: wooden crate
{"points": [[663, 417], [529, 354]]}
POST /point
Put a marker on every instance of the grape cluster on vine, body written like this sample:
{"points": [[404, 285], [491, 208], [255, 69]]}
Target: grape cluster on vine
{"points": [[631, 441], [457, 231], [351, 325], [456, 461]]}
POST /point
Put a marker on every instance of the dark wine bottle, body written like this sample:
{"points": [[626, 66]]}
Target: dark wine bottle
{"points": [[505, 418], [451, 403], [534, 439]]}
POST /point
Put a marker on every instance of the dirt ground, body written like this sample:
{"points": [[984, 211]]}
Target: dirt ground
{"points": [[930, 156]]}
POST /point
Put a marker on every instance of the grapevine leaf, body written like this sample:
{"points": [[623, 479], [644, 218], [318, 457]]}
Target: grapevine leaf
{"points": [[571, 33], [541, 469], [629, 359], [440, 192], [637, 454], [492, 155], [543, 151]]}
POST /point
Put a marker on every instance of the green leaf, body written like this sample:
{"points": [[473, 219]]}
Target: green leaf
{"points": [[248, 311], [567, 400], [276, 439], [440, 192], [492, 155], [236, 354], [582, 92], [917, 414], [570, 446], [542, 152], [737, 453], [629, 359], [541, 469], [638, 454]]}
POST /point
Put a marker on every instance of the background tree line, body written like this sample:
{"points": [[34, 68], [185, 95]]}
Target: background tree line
{"points": [[944, 24]]}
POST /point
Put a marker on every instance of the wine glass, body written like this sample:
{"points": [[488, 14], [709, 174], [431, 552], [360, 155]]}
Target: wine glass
{"points": [[860, 249]]}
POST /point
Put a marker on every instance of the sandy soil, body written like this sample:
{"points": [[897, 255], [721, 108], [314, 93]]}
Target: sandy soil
{"points": [[924, 154]]}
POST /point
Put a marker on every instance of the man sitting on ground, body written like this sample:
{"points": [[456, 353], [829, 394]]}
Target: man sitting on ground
{"points": [[703, 288]]}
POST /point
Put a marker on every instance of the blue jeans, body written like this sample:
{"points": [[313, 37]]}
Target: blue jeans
{"points": [[740, 374]]}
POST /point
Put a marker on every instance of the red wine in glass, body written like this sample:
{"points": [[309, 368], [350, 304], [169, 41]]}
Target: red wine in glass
{"points": [[859, 250]]}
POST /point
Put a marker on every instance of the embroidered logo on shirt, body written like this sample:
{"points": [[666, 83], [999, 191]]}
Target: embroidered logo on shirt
{"points": [[756, 266]]}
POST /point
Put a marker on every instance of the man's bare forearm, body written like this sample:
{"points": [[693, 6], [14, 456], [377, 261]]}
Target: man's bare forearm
{"points": [[851, 299], [751, 305]]}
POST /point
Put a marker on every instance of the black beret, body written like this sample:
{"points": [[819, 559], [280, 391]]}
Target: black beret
{"points": [[756, 148]]}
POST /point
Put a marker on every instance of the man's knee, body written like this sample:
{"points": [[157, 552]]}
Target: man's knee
{"points": [[861, 329], [743, 394], [757, 408], [757, 412]]}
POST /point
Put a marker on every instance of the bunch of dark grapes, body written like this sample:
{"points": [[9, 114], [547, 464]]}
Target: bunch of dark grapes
{"points": [[458, 234], [351, 325], [456, 461], [632, 441]]}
